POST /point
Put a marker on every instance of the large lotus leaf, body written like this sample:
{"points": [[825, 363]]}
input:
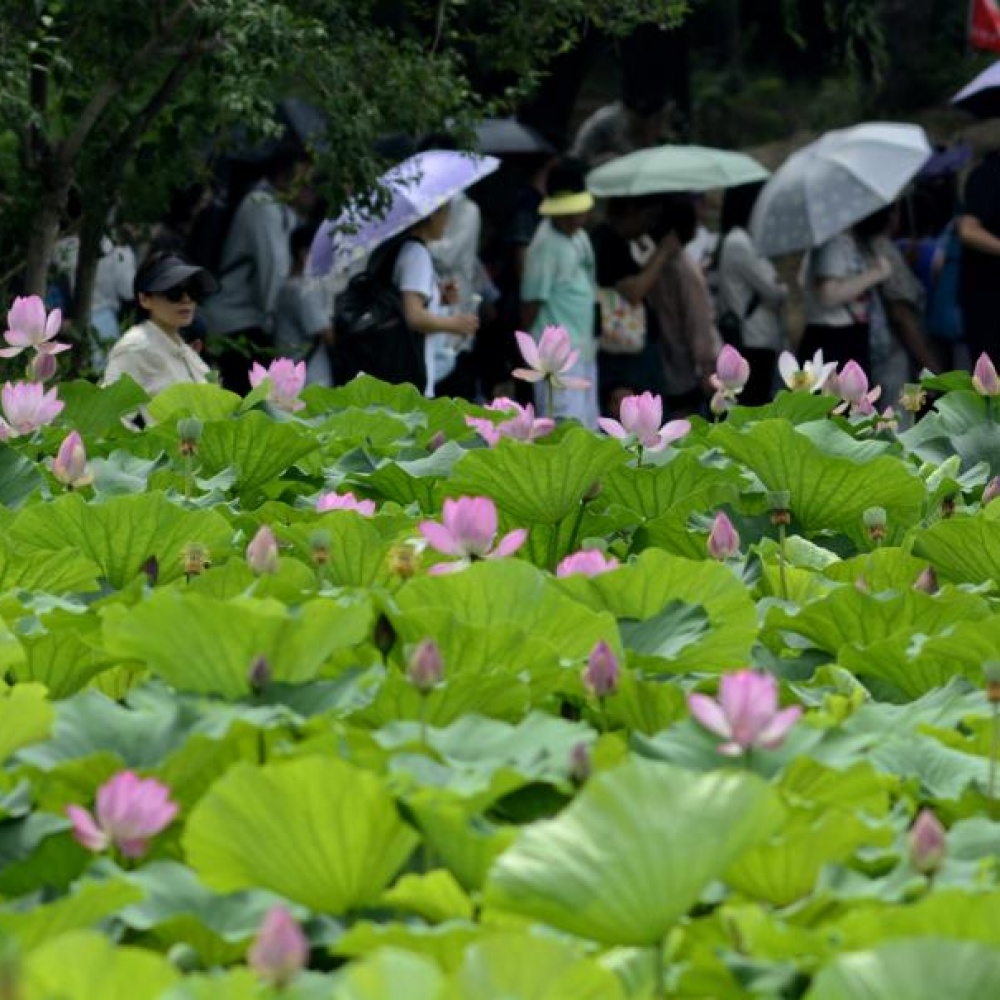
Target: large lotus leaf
{"points": [[316, 830], [257, 447], [38, 851], [511, 591], [634, 851], [832, 439], [965, 647], [908, 668], [18, 477], [358, 551], [645, 706], [445, 943], [415, 480], [94, 410], [84, 965], [965, 550], [859, 787], [942, 773], [531, 967], [122, 534], [434, 895], [61, 572], [122, 473], [962, 425], [201, 644], [236, 984], [90, 903], [206, 402], [537, 483], [26, 717], [644, 588], [929, 968], [886, 568], [390, 974], [353, 426], [795, 407], [825, 491]]}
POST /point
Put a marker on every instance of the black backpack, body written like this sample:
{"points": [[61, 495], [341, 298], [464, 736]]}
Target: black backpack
{"points": [[370, 327]]}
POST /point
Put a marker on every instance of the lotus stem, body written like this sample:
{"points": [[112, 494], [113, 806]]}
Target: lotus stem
{"points": [[659, 971], [551, 393], [187, 476], [994, 753], [781, 562], [638, 456]]}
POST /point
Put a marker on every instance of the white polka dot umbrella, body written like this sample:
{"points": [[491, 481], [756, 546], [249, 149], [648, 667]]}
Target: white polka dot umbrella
{"points": [[835, 182]]}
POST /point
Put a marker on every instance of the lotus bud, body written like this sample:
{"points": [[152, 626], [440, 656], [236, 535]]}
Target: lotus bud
{"points": [[262, 552], [723, 539], [875, 519], [404, 561], [319, 546], [70, 464], [861, 585], [732, 370], [913, 398], [151, 567], [383, 635], [189, 434], [259, 674], [927, 581], [887, 421], [948, 507], [778, 502], [602, 672], [596, 488], [280, 950], [426, 668], [580, 765], [181, 955], [42, 367], [195, 559], [927, 843], [984, 377], [437, 441], [991, 673], [991, 491]]}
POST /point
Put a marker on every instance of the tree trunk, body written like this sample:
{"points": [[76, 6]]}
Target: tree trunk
{"points": [[45, 232], [92, 229]]}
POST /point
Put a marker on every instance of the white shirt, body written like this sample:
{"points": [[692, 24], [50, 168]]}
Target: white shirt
{"points": [[839, 257], [455, 253], [743, 274], [154, 359]]}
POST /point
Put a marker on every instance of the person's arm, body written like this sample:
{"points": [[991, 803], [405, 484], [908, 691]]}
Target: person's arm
{"points": [[833, 292], [421, 320], [906, 325], [975, 235], [636, 287], [758, 275]]}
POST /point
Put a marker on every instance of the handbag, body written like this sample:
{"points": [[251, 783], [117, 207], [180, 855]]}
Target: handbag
{"points": [[623, 324]]}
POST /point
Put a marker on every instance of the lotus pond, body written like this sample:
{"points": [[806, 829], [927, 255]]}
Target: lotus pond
{"points": [[261, 741]]}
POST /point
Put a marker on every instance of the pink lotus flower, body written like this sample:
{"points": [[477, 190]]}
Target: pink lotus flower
{"points": [[641, 417], [984, 377], [426, 667], [927, 843], [523, 425], [26, 407], [287, 381], [852, 387], [810, 377], [280, 951], [468, 531], [601, 675], [262, 552], [550, 359], [345, 501], [130, 811], [746, 714], [723, 539], [28, 326], [70, 464], [41, 367], [588, 562], [732, 371]]}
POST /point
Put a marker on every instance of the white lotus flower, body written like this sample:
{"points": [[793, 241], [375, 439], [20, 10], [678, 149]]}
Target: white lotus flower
{"points": [[810, 377]]}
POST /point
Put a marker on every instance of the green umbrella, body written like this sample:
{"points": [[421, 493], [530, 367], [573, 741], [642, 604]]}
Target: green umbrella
{"points": [[674, 168]]}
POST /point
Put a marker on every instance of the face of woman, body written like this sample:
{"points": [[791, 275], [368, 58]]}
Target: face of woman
{"points": [[171, 310]]}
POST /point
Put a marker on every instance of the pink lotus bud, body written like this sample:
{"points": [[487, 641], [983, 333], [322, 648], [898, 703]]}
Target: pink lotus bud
{"points": [[151, 567], [262, 552], [927, 843], [280, 950], [259, 674], [732, 369], [602, 672], [927, 581], [426, 668], [853, 383], [724, 539], [437, 441], [42, 367], [580, 766], [984, 377], [70, 464], [992, 490], [587, 562]]}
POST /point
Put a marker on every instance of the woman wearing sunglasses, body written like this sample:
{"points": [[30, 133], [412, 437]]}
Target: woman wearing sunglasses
{"points": [[168, 287]]}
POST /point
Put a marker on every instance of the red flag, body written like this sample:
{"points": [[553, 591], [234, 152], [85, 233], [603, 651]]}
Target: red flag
{"points": [[984, 25]]}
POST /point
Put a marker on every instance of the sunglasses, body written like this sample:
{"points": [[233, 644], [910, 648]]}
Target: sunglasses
{"points": [[190, 288]]}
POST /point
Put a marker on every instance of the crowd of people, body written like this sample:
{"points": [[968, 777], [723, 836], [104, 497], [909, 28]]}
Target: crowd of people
{"points": [[647, 291]]}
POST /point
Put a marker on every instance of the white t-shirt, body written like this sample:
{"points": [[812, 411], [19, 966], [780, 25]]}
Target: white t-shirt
{"points": [[414, 272], [840, 257]]}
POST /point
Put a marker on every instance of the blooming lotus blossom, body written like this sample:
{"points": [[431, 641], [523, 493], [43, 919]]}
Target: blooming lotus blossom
{"points": [[345, 501], [588, 562], [469, 531], [262, 552], [26, 407], [280, 950], [984, 377], [723, 539], [550, 359], [426, 667], [287, 381], [70, 464], [129, 810], [28, 326], [746, 715], [927, 843], [641, 417], [602, 672], [522, 426], [732, 371], [810, 377]]}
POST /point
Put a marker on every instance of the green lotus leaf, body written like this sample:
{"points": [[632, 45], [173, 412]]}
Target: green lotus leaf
{"points": [[831, 438], [532, 967], [38, 850], [634, 851], [353, 426], [236, 984], [927, 968], [412, 481], [317, 831], [645, 706], [389, 974], [795, 407], [826, 492], [94, 410], [445, 943], [962, 424], [435, 896], [257, 447], [537, 483], [18, 477], [65, 655], [964, 550], [26, 717], [84, 965], [61, 572], [205, 402], [886, 568], [122, 473], [358, 551], [122, 534]]}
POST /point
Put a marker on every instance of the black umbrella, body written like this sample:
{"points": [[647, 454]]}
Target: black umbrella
{"points": [[982, 96], [506, 136]]}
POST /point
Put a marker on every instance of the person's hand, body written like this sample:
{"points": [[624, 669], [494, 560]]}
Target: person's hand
{"points": [[882, 269], [449, 292], [465, 324]]}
